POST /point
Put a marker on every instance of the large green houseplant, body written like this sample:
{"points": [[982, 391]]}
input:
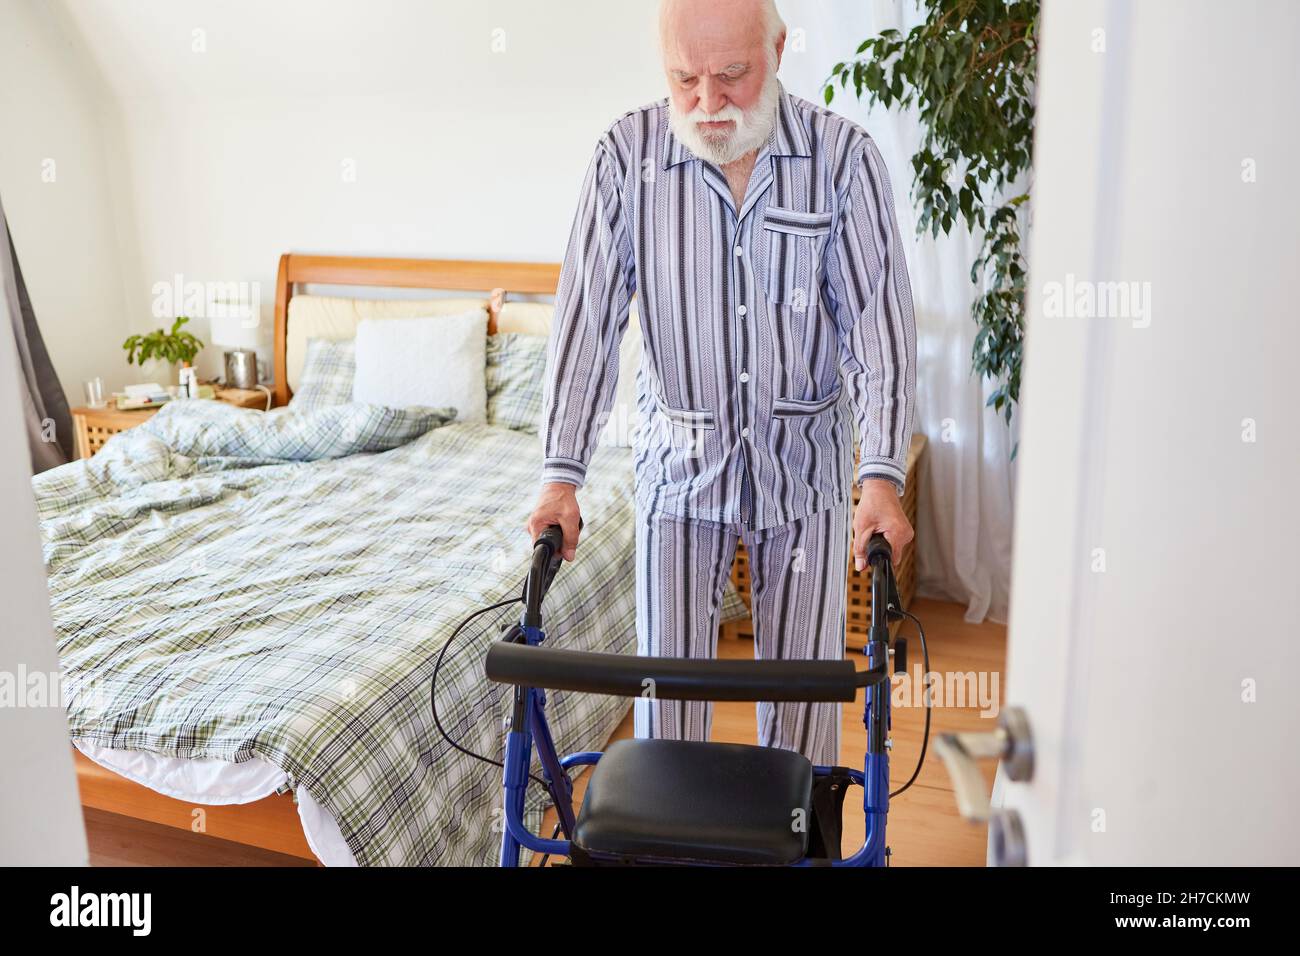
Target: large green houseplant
{"points": [[968, 70]]}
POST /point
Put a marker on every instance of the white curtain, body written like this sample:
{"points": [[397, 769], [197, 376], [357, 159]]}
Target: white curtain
{"points": [[968, 478]]}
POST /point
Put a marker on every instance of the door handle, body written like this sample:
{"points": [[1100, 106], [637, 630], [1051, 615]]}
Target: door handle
{"points": [[1011, 742]]}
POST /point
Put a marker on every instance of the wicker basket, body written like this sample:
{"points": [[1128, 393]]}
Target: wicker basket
{"points": [[859, 593]]}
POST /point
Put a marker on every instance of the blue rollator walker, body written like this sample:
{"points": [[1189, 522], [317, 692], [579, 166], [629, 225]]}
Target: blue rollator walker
{"points": [[669, 802]]}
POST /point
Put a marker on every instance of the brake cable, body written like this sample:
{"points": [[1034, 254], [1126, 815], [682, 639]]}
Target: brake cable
{"points": [[433, 690], [925, 740]]}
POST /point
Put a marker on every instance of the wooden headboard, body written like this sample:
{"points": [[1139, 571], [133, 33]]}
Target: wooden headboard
{"points": [[496, 279]]}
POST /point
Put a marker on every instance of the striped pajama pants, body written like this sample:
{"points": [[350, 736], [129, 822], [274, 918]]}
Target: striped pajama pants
{"points": [[797, 592]]}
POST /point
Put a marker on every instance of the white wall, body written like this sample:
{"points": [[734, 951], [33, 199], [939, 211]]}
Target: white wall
{"points": [[52, 111], [468, 127]]}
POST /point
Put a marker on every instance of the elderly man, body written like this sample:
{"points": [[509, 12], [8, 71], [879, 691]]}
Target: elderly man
{"points": [[757, 231]]}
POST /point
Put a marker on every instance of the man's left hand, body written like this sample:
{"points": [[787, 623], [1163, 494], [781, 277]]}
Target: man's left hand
{"points": [[879, 509]]}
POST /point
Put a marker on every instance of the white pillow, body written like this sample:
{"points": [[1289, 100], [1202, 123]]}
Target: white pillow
{"points": [[433, 362]]}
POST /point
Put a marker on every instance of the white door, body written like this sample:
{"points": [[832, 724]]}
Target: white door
{"points": [[40, 813], [1155, 619]]}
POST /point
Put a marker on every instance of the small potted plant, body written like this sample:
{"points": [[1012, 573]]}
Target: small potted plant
{"points": [[171, 347]]}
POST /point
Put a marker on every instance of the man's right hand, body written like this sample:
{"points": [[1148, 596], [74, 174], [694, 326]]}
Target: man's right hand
{"points": [[557, 504]]}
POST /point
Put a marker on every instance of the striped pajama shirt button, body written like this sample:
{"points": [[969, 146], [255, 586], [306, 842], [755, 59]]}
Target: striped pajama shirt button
{"points": [[744, 376], [739, 251], [742, 310]]}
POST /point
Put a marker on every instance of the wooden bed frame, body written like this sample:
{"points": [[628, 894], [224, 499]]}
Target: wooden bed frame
{"points": [[495, 279], [272, 823]]}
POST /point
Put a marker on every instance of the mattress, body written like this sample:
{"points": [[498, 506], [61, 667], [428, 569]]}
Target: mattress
{"points": [[220, 782]]}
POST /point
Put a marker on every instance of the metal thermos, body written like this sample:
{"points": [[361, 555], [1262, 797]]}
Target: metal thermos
{"points": [[241, 368]]}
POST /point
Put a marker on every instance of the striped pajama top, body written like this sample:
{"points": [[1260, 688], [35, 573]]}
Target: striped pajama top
{"points": [[771, 332]]}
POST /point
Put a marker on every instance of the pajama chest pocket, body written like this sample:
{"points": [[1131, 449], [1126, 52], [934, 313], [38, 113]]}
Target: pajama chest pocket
{"points": [[794, 248]]}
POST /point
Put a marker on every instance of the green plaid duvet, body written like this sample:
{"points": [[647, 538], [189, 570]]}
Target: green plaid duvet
{"points": [[213, 599]]}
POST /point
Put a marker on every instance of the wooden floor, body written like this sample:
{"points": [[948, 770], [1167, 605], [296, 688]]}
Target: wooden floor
{"points": [[924, 829], [121, 841]]}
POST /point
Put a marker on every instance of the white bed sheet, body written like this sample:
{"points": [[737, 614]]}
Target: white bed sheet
{"points": [[205, 780]]}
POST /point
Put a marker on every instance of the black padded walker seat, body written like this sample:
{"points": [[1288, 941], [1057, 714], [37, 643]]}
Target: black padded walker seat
{"points": [[671, 800]]}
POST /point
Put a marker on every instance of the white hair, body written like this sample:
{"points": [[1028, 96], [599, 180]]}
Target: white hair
{"points": [[774, 25]]}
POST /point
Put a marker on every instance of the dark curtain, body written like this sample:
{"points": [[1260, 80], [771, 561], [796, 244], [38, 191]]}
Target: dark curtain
{"points": [[45, 408]]}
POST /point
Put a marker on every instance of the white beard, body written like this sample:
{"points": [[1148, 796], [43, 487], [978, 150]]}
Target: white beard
{"points": [[753, 126]]}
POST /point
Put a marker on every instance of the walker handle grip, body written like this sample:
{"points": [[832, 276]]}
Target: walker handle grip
{"points": [[884, 587], [545, 563], [878, 548], [552, 537]]}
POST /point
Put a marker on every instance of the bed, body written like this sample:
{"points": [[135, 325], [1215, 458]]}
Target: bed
{"points": [[248, 616]]}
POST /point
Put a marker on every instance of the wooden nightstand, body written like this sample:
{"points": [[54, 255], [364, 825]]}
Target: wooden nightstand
{"points": [[94, 426]]}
